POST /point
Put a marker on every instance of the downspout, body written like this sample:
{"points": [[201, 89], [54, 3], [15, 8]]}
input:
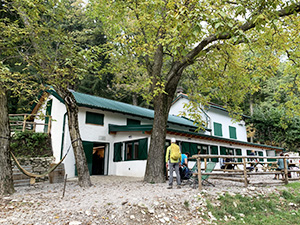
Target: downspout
{"points": [[63, 136], [208, 120]]}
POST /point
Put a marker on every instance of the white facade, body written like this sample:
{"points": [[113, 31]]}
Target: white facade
{"points": [[213, 115], [99, 137]]}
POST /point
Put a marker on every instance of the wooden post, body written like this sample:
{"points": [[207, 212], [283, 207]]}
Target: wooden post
{"points": [[199, 173], [49, 124], [245, 173], [286, 181], [24, 123], [205, 163]]}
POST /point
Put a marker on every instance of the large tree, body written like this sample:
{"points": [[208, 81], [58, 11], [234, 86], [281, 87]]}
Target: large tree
{"points": [[161, 38], [54, 57]]}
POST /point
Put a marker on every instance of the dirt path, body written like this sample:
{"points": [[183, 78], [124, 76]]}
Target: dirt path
{"points": [[114, 200]]}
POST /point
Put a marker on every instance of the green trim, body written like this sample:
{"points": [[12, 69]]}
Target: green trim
{"points": [[133, 122], [94, 118], [218, 129], [63, 136], [107, 160], [116, 128], [232, 132], [141, 151], [117, 152], [48, 113], [214, 151], [226, 140]]}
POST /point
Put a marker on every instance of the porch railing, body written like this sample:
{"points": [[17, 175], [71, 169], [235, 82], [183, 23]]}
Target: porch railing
{"points": [[23, 122]]}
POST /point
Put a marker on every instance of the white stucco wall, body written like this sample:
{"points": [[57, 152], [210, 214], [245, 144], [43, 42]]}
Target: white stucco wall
{"points": [[215, 115]]}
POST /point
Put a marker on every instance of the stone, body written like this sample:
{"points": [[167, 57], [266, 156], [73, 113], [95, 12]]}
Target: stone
{"points": [[75, 223], [162, 220], [151, 211], [132, 217]]}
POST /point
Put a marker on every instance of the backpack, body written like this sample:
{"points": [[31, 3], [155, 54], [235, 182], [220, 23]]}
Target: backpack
{"points": [[187, 173], [175, 152]]}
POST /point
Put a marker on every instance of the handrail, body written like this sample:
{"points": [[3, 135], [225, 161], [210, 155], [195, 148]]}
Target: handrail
{"points": [[27, 123]]}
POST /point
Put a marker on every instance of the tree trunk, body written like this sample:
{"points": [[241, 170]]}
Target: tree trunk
{"points": [[162, 104], [80, 159], [156, 158], [134, 99], [155, 162], [6, 179]]}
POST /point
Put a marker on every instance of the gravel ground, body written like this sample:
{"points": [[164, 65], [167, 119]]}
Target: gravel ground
{"points": [[117, 200]]}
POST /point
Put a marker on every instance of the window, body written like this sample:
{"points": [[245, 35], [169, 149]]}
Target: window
{"points": [[214, 151], [191, 148], [260, 154], [239, 152], [94, 118], [133, 122], [48, 113], [117, 152], [218, 129], [232, 132], [136, 150]]}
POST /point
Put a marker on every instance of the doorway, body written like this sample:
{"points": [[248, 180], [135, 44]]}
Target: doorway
{"points": [[98, 159]]}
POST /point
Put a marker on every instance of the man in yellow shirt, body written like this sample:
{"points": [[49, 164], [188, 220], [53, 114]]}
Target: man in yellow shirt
{"points": [[173, 163]]}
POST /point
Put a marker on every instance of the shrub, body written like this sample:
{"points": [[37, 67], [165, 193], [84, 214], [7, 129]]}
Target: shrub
{"points": [[31, 144]]}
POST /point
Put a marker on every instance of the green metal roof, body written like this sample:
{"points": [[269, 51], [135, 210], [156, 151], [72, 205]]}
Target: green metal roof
{"points": [[90, 101]]}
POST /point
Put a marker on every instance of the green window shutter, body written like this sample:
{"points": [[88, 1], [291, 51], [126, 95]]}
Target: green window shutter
{"points": [[214, 151], [185, 147], [48, 113], [193, 149], [133, 122], [223, 151], [232, 132], [117, 152], [143, 147], [248, 152], [94, 118], [261, 154], [88, 150], [238, 152], [218, 129]]}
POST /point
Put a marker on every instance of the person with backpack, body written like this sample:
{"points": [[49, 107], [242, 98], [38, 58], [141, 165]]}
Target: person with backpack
{"points": [[173, 159], [183, 168]]}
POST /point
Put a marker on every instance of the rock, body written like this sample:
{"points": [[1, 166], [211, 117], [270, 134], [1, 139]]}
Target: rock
{"points": [[151, 211], [162, 220], [251, 188], [75, 223], [132, 217], [166, 219]]}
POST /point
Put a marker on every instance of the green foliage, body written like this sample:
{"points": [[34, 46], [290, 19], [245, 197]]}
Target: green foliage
{"points": [[31, 144], [272, 209]]}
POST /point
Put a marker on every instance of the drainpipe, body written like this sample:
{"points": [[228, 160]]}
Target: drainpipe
{"points": [[63, 136]]}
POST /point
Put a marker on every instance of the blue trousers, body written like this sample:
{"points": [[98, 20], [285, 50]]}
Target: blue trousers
{"points": [[171, 169]]}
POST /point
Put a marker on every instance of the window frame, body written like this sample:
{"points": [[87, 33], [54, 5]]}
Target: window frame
{"points": [[90, 115], [232, 132], [218, 129]]}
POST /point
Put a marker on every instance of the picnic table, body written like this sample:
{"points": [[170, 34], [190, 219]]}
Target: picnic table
{"points": [[252, 165], [266, 166]]}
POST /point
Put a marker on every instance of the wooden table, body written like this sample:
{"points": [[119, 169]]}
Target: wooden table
{"points": [[266, 166]]}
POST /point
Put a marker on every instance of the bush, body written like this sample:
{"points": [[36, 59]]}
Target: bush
{"points": [[31, 144]]}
